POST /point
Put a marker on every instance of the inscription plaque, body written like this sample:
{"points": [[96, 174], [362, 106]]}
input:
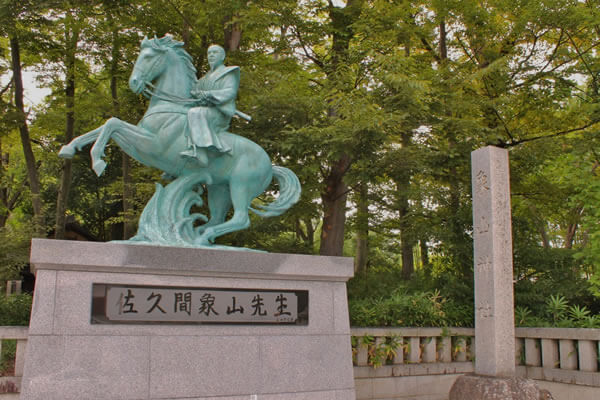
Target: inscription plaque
{"points": [[125, 304]]}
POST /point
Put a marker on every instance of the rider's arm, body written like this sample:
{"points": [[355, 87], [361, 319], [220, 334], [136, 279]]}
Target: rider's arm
{"points": [[227, 92], [200, 95]]}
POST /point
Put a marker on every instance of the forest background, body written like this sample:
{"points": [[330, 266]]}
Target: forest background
{"points": [[375, 104]]}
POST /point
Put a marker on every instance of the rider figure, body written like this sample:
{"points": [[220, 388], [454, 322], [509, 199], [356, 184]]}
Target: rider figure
{"points": [[216, 93]]}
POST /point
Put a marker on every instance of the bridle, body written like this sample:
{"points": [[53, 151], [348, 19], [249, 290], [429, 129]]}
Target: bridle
{"points": [[150, 90]]}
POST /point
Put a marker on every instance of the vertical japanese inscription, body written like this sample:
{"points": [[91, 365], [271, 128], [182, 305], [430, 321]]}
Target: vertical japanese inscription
{"points": [[483, 184]]}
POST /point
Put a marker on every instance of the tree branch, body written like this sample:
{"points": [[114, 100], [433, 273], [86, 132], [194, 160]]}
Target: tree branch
{"points": [[473, 60], [587, 66], [4, 89], [518, 142], [542, 72], [306, 54], [185, 19], [10, 203], [528, 57]]}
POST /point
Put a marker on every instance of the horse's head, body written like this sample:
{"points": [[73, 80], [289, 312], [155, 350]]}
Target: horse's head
{"points": [[152, 61]]}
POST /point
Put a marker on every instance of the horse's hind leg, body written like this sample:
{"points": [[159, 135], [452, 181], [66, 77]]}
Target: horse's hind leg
{"points": [[219, 204], [241, 202], [69, 149]]}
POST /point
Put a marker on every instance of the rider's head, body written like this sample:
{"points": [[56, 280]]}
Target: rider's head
{"points": [[215, 56]]}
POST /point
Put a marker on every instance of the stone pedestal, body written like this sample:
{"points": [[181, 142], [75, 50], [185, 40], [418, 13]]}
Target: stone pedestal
{"points": [[69, 357], [489, 388]]}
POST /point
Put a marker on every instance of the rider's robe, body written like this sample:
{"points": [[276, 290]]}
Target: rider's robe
{"points": [[206, 122]]}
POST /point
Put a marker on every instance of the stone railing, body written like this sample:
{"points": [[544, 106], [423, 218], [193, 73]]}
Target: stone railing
{"points": [[414, 351], [409, 363], [410, 346], [425, 361], [12, 383], [559, 355]]}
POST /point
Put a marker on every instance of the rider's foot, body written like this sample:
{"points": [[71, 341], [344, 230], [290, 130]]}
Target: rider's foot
{"points": [[188, 153], [167, 177]]}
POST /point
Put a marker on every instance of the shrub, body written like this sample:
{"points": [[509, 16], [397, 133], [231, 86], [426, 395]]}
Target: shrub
{"points": [[399, 309], [557, 313], [7, 358], [15, 309]]}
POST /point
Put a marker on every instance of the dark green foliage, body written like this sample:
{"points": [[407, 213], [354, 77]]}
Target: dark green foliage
{"points": [[383, 298], [14, 252], [7, 360], [557, 312], [398, 309], [542, 274], [15, 310]]}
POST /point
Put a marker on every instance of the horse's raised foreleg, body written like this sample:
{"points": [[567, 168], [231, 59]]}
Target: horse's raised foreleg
{"points": [[129, 137], [69, 149], [241, 199]]}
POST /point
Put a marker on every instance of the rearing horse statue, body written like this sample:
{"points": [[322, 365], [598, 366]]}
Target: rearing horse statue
{"points": [[233, 179]]}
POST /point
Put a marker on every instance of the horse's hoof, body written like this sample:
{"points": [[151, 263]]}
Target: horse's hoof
{"points": [[204, 239], [203, 243], [66, 152], [99, 167]]}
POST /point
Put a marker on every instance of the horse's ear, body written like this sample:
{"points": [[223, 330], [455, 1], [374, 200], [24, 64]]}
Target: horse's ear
{"points": [[145, 42]]}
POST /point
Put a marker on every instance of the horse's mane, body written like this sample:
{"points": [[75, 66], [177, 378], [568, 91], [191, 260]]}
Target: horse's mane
{"points": [[167, 42]]}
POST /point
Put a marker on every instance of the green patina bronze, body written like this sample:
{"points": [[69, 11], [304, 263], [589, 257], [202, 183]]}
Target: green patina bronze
{"points": [[184, 133]]}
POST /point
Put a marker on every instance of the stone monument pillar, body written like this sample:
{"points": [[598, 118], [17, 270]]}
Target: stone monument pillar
{"points": [[149, 322], [495, 362], [493, 269]]}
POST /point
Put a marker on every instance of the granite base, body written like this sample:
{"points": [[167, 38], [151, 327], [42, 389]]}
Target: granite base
{"points": [[68, 357]]}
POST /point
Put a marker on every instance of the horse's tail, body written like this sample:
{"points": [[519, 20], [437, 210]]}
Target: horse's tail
{"points": [[289, 193]]}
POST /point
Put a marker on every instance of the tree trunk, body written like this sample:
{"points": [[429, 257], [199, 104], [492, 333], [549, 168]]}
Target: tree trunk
{"points": [[443, 46], [307, 237], [572, 227], [540, 225], [71, 39], [362, 230], [129, 226], [407, 237], [310, 232], [424, 254], [3, 189], [334, 209], [232, 33], [32, 173], [335, 193], [233, 38], [9, 194]]}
